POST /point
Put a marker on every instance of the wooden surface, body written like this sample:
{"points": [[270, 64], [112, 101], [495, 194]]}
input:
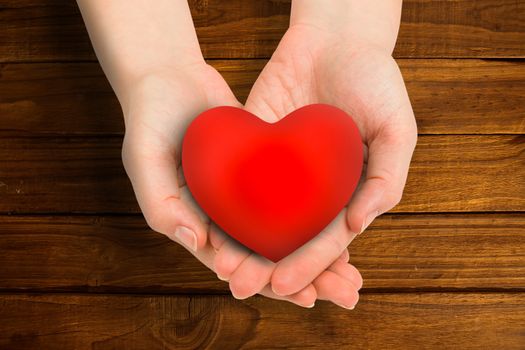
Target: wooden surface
{"points": [[84, 174], [458, 96], [79, 268], [241, 29], [117, 254], [401, 321]]}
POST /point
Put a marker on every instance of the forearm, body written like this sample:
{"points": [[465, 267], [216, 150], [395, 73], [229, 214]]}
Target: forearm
{"points": [[136, 37], [370, 22]]}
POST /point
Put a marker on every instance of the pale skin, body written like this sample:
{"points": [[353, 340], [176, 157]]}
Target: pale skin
{"points": [[338, 54]]}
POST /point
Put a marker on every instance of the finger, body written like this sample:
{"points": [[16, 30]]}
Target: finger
{"points": [[206, 256], [229, 257], [347, 271], [251, 276], [216, 236], [257, 105], [345, 256], [260, 108], [305, 297], [330, 286], [389, 155], [255, 272], [152, 169], [262, 100], [300, 268]]}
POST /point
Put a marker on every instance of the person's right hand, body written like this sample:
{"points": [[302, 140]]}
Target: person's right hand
{"points": [[159, 107]]}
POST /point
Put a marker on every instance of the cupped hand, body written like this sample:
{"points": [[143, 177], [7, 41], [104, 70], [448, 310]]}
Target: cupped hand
{"points": [[313, 65], [160, 107]]}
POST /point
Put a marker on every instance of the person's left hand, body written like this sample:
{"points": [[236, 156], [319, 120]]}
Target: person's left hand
{"points": [[312, 65]]}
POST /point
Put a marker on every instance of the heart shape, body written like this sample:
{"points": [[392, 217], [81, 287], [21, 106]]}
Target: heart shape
{"points": [[272, 186]]}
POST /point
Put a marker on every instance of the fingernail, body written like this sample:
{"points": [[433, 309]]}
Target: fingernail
{"points": [[187, 237], [369, 220], [222, 278], [278, 293], [310, 306], [346, 306], [236, 297]]}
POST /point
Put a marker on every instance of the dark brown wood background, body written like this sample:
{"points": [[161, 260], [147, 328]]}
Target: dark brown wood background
{"points": [[80, 269]]}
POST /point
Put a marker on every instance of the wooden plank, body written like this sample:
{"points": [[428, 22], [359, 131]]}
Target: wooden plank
{"points": [[85, 175], [102, 254], [448, 96], [462, 28], [380, 321], [466, 96], [120, 254], [479, 251], [53, 30], [466, 173]]}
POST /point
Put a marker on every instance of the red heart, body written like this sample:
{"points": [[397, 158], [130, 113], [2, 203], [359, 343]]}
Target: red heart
{"points": [[272, 186]]}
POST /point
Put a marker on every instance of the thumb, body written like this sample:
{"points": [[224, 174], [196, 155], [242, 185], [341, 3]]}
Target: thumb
{"points": [[389, 158], [167, 207]]}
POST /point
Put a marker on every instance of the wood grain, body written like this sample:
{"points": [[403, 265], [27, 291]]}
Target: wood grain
{"points": [[393, 321], [53, 30], [466, 96], [448, 96], [466, 173], [462, 28], [445, 269], [120, 254], [85, 175]]}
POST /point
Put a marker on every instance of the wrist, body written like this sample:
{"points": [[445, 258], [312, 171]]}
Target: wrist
{"points": [[158, 81], [372, 23], [126, 74], [133, 38]]}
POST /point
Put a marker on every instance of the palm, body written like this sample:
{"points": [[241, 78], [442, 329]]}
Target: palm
{"points": [[363, 82], [160, 110]]}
